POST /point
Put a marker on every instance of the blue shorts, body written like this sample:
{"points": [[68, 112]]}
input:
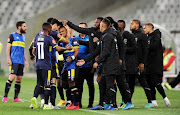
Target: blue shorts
{"points": [[69, 75], [43, 77], [17, 69]]}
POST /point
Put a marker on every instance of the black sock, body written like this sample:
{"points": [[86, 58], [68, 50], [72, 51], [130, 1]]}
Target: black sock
{"points": [[7, 87], [74, 93], [47, 91], [161, 90], [39, 90], [61, 93], [53, 94], [68, 94], [17, 89]]}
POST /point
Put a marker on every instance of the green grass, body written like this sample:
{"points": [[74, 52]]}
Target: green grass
{"points": [[139, 100]]}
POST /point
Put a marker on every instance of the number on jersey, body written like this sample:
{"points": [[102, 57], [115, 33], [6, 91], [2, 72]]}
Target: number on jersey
{"points": [[40, 50]]}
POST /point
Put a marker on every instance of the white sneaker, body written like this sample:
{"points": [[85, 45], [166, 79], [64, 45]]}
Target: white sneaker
{"points": [[31, 106], [55, 107], [167, 102], [132, 106], [42, 103], [50, 104], [154, 102]]}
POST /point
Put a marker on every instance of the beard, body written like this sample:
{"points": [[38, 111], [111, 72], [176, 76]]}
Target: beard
{"points": [[22, 31]]}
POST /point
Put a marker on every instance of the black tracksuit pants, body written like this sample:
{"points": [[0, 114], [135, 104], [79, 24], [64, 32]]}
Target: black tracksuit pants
{"points": [[175, 81], [88, 75], [153, 81], [142, 80], [106, 88], [123, 87]]}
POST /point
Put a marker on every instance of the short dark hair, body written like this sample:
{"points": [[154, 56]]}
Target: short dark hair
{"points": [[45, 25], [100, 18], [150, 24], [106, 21], [122, 21], [137, 22], [84, 23], [55, 21], [19, 23], [49, 20]]}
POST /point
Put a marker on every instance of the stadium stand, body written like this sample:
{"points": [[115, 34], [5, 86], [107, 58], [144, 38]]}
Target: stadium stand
{"points": [[34, 12], [13, 10]]}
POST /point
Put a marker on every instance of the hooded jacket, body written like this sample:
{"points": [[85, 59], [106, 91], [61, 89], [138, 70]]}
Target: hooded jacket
{"points": [[130, 55], [155, 53], [141, 42], [108, 53]]}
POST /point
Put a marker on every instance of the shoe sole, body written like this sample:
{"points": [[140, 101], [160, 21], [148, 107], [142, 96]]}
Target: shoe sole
{"points": [[34, 103]]}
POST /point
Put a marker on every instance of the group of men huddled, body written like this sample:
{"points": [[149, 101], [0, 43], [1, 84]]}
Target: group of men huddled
{"points": [[118, 56]]}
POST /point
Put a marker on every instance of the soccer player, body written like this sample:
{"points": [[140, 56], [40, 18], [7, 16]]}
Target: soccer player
{"points": [[55, 27], [16, 60], [43, 46], [69, 70], [155, 61]]}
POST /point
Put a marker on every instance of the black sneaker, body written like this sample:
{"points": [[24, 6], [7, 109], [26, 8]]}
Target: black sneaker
{"points": [[67, 104], [89, 106]]}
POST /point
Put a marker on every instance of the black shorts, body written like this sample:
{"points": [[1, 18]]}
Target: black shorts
{"points": [[43, 77], [17, 69], [69, 75]]}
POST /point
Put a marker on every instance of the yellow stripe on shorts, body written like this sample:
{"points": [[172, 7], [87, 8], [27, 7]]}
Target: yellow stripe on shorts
{"points": [[72, 72], [49, 75]]}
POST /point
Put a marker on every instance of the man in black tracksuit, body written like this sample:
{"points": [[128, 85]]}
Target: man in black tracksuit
{"points": [[130, 55], [110, 64], [141, 55], [155, 60], [91, 32], [108, 56]]}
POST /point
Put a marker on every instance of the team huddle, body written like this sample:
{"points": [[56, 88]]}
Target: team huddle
{"points": [[64, 61]]}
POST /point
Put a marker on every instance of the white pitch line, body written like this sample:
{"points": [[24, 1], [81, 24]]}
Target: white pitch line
{"points": [[96, 112], [77, 109]]}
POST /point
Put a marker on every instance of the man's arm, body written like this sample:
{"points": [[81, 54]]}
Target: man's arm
{"points": [[154, 43], [107, 41], [144, 49], [86, 43], [121, 46], [70, 58], [8, 54], [31, 51], [76, 28], [26, 61], [132, 44], [93, 54]]}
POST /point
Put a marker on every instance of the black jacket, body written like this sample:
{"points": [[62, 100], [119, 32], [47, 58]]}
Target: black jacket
{"points": [[91, 32], [155, 53], [141, 41], [108, 53], [130, 55]]}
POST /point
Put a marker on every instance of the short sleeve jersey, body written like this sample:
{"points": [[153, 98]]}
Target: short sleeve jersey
{"points": [[44, 45], [70, 65], [17, 42], [57, 37]]}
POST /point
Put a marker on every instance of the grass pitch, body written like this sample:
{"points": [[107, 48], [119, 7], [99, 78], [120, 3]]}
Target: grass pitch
{"points": [[139, 100]]}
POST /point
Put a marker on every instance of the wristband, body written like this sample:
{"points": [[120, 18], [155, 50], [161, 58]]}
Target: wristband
{"points": [[73, 57]]}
